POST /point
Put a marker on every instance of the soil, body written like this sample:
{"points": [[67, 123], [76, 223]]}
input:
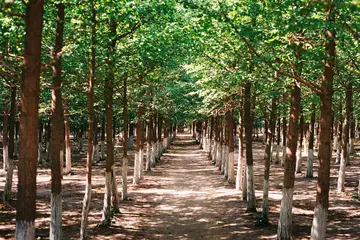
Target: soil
{"points": [[186, 197]]}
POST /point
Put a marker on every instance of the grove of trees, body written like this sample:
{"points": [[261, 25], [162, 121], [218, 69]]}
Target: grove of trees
{"points": [[95, 73]]}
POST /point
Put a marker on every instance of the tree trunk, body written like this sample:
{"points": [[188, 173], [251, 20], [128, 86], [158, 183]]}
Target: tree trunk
{"points": [[149, 144], [67, 139], [125, 144], [284, 137], [47, 140], [339, 135], [102, 139], [12, 122], [57, 128], [318, 230], [349, 107], [87, 195], [299, 144], [277, 156], [30, 88], [96, 148], [211, 136], [248, 122], [110, 177], [218, 141], [241, 173], [267, 157], [139, 145], [310, 160], [231, 147], [285, 221], [5, 140], [40, 127], [345, 140], [226, 145], [8, 162]]}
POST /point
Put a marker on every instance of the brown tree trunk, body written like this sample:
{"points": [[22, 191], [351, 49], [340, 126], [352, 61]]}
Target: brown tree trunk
{"points": [[267, 157], [110, 177], [310, 161], [12, 122], [231, 147], [30, 88], [318, 230], [57, 129], [285, 221], [345, 140], [300, 144], [67, 139], [125, 143], [87, 195], [139, 145], [102, 139], [284, 126], [248, 125]]}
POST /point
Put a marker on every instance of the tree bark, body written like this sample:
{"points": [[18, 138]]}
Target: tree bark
{"points": [[125, 144], [285, 221], [300, 144], [57, 128], [30, 88], [139, 145], [12, 122], [231, 147], [149, 144], [87, 195], [102, 139], [310, 160], [8, 162], [267, 157], [67, 139], [318, 230], [345, 140], [248, 122]]}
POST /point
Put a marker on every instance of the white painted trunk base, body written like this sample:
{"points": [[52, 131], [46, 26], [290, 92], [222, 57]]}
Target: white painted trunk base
{"points": [[219, 155], [318, 229], [141, 163], [251, 200], [115, 193], [153, 155], [85, 212], [8, 181], [285, 220], [310, 163], [223, 154], [265, 205], [298, 160], [226, 162], [5, 157], [56, 217], [124, 179], [136, 179], [68, 160], [231, 169], [238, 173], [102, 149], [341, 177], [148, 157], [24, 230], [106, 213]]}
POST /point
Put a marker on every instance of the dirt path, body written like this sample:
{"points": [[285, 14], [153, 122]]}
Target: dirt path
{"points": [[183, 198]]}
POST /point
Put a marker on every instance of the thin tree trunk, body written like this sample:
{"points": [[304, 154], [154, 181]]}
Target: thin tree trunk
{"points": [[284, 136], [8, 162], [345, 140], [125, 144], [285, 221], [318, 230], [110, 177], [30, 89], [149, 144], [248, 122], [67, 139], [299, 144], [241, 173], [310, 160], [57, 128], [267, 157], [12, 122], [139, 145], [40, 132], [102, 139], [231, 147], [87, 195]]}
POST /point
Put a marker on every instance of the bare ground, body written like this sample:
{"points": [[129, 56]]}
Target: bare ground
{"points": [[185, 197]]}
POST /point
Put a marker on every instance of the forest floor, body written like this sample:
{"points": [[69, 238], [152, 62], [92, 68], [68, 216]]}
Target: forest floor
{"points": [[185, 197]]}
